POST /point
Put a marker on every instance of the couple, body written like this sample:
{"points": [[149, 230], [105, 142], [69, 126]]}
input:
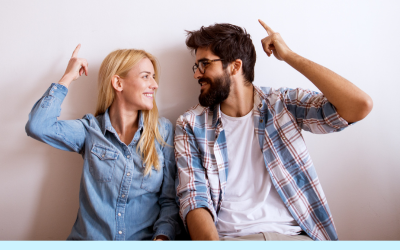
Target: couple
{"points": [[239, 161]]}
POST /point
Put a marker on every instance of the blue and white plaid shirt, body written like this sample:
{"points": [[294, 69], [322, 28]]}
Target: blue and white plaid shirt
{"points": [[202, 156]]}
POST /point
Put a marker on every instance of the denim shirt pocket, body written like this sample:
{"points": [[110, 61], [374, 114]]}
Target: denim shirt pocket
{"points": [[152, 182], [102, 162]]}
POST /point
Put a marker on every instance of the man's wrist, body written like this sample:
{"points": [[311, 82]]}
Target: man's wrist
{"points": [[289, 56]]}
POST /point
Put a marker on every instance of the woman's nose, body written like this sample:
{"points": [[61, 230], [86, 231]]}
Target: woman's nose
{"points": [[154, 85]]}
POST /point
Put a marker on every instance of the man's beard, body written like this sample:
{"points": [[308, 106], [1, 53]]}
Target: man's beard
{"points": [[217, 92]]}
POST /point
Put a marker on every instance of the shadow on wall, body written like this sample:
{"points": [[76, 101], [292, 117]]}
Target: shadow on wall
{"points": [[178, 89], [58, 201]]}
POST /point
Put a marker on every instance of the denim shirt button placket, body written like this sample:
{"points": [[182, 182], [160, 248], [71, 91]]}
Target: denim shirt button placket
{"points": [[122, 200]]}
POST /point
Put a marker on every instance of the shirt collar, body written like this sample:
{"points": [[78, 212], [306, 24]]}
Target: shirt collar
{"points": [[258, 105], [107, 122], [259, 96]]}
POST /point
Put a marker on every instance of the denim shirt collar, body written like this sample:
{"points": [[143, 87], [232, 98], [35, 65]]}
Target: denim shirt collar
{"points": [[106, 123]]}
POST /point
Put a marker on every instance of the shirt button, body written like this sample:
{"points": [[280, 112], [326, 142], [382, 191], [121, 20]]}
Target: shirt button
{"points": [[120, 232], [123, 196], [128, 174], [260, 105], [128, 156], [119, 214], [261, 121], [55, 87]]}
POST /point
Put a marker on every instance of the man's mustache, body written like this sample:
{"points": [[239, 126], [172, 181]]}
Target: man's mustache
{"points": [[204, 80]]}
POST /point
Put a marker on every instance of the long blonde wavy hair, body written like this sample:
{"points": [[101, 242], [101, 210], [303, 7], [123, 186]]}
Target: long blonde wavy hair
{"points": [[119, 63]]}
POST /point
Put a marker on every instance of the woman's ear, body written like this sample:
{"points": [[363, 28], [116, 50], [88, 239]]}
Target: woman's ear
{"points": [[116, 82]]}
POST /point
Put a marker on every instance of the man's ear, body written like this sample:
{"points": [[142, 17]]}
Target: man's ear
{"points": [[116, 82], [236, 66]]}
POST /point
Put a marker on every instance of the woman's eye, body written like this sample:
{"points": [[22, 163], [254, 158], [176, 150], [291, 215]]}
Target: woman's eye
{"points": [[146, 76]]}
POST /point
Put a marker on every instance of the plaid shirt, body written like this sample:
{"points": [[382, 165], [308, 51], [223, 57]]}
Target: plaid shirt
{"points": [[279, 115]]}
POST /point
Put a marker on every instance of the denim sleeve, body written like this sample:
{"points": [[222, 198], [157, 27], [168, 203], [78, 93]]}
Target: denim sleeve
{"points": [[193, 189], [168, 221], [44, 126], [312, 111]]}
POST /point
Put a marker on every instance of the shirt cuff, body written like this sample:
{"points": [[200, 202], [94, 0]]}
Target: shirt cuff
{"points": [[167, 230], [333, 119], [57, 90], [198, 204]]}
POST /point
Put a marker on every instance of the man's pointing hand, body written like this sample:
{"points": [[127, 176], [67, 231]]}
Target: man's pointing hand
{"points": [[274, 44]]}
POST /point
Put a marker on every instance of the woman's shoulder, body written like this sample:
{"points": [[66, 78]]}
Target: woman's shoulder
{"points": [[164, 121], [165, 126], [91, 120]]}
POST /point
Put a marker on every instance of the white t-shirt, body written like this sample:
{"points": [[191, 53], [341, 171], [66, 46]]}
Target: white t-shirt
{"points": [[251, 203]]}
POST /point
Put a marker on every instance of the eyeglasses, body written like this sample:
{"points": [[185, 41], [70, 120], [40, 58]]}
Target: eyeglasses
{"points": [[203, 65]]}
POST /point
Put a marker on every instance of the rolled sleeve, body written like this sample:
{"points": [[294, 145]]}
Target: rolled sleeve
{"points": [[193, 204], [193, 188], [57, 90], [165, 229], [312, 111]]}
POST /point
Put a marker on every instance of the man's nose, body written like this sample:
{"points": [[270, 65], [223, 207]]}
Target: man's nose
{"points": [[197, 74]]}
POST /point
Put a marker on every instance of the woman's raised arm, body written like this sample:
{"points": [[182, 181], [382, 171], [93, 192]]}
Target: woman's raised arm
{"points": [[43, 124]]}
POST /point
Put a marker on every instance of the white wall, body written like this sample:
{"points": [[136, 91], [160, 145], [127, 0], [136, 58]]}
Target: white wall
{"points": [[359, 168]]}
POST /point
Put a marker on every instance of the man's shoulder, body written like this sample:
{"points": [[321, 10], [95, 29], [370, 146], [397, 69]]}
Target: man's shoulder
{"points": [[272, 95], [192, 113], [266, 92]]}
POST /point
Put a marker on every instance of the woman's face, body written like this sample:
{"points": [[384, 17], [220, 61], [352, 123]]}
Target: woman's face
{"points": [[139, 85]]}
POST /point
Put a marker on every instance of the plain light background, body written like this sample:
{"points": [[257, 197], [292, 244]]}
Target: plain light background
{"points": [[359, 168]]}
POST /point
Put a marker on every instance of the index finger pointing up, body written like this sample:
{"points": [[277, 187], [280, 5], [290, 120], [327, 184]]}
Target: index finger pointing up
{"points": [[75, 53], [266, 27]]}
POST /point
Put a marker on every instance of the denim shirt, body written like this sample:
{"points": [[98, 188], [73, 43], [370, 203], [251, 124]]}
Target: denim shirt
{"points": [[116, 201]]}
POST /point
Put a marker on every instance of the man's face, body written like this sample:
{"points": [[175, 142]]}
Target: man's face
{"points": [[215, 82]]}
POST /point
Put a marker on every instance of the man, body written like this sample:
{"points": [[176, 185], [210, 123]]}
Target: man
{"points": [[244, 171]]}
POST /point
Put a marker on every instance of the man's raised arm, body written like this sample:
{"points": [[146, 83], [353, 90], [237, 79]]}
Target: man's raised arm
{"points": [[350, 102]]}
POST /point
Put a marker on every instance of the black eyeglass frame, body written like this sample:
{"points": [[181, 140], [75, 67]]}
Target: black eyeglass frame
{"points": [[197, 66]]}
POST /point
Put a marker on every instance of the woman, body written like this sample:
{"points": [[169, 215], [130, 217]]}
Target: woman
{"points": [[127, 188]]}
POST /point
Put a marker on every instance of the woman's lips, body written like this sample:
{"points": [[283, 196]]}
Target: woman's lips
{"points": [[149, 95]]}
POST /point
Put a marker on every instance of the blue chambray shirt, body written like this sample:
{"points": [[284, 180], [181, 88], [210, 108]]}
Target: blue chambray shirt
{"points": [[116, 201]]}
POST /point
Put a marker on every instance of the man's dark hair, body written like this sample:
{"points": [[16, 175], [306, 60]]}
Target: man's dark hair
{"points": [[227, 41]]}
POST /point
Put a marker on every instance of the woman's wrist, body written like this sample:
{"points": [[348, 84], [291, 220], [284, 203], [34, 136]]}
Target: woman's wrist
{"points": [[161, 237], [65, 80]]}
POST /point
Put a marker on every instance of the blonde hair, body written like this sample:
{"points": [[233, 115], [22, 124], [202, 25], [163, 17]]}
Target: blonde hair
{"points": [[119, 63]]}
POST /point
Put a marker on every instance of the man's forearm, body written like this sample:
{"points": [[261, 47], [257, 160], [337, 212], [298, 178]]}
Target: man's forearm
{"points": [[201, 225], [351, 103]]}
